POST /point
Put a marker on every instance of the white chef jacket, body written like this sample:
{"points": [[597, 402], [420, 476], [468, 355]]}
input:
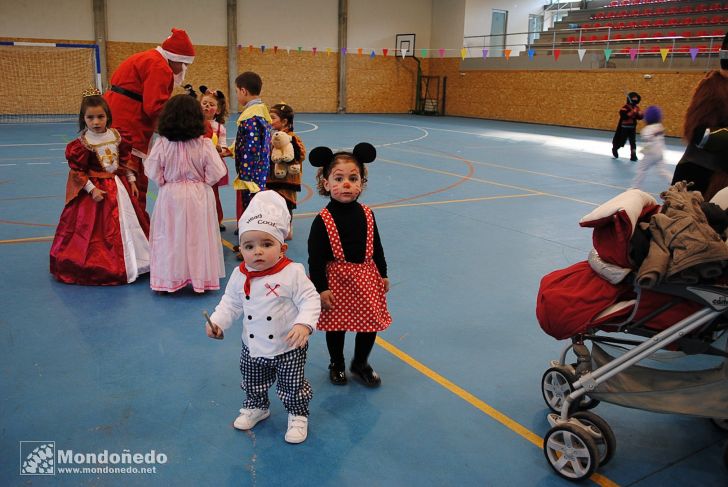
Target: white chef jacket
{"points": [[277, 302]]}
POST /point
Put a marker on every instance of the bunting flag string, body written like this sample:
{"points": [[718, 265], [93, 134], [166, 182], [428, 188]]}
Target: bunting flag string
{"points": [[464, 51]]}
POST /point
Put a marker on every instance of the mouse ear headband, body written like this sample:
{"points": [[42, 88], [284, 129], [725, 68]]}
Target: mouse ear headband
{"points": [[363, 152]]}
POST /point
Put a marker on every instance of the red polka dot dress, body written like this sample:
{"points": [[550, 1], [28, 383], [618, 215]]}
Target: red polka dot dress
{"points": [[360, 304]]}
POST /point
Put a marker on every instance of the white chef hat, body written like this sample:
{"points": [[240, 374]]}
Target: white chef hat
{"points": [[267, 212]]}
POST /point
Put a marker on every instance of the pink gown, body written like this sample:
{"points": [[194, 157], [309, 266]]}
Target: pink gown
{"points": [[185, 236]]}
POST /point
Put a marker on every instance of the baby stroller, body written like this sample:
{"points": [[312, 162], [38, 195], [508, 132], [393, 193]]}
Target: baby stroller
{"points": [[669, 318]]}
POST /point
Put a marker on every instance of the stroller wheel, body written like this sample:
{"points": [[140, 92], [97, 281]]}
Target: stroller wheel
{"points": [[721, 423], [571, 451], [606, 442], [556, 384]]}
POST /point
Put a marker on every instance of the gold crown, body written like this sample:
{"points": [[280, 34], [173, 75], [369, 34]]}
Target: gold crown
{"points": [[91, 92]]}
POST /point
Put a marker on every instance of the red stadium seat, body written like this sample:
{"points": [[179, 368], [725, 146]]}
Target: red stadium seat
{"points": [[686, 33], [701, 7], [686, 9], [716, 19], [686, 21], [656, 34], [673, 10], [645, 24], [714, 7], [702, 20], [617, 37], [658, 23], [646, 11], [586, 26], [672, 22], [599, 15], [660, 11], [620, 25]]}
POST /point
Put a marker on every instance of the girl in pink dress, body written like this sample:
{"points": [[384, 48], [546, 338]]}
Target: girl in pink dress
{"points": [[184, 235], [346, 262], [99, 239]]}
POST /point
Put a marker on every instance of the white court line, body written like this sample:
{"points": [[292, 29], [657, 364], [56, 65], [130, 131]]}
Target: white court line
{"points": [[37, 163], [315, 127], [33, 145], [8, 164], [393, 143]]}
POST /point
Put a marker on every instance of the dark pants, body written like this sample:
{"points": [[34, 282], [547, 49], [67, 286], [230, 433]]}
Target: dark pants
{"points": [[363, 345], [622, 134]]}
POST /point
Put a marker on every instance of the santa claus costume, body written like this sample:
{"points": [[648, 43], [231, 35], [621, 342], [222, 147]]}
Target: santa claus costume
{"points": [[140, 87]]}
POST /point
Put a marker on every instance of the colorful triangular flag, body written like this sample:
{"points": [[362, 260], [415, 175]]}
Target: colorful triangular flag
{"points": [[441, 51], [385, 51], [275, 49], [359, 51], [343, 51], [250, 48], [328, 51], [694, 52], [531, 53], [507, 53], [299, 49], [581, 54], [404, 52], [372, 54], [463, 53], [485, 53], [557, 53], [663, 53], [633, 53], [607, 54], [262, 48], [314, 50], [423, 52]]}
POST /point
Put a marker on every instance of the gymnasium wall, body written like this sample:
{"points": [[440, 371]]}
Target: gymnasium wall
{"points": [[589, 99], [374, 85]]}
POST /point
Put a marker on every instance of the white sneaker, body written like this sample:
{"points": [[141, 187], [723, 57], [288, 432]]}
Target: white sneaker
{"points": [[297, 429], [249, 418]]}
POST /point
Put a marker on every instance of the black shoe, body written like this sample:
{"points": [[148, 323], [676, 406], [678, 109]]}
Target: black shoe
{"points": [[236, 248], [615, 154], [235, 232], [366, 374], [222, 227], [337, 374], [633, 157]]}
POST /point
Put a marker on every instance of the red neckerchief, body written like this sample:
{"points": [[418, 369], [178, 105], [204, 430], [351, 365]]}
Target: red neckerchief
{"points": [[283, 262]]}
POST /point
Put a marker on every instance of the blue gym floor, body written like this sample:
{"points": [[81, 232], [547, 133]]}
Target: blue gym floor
{"points": [[472, 214]]}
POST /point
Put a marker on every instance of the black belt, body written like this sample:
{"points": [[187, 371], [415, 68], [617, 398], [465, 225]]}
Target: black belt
{"points": [[130, 94]]}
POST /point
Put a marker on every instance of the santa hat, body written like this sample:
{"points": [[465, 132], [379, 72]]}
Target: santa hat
{"points": [[178, 47], [267, 212]]}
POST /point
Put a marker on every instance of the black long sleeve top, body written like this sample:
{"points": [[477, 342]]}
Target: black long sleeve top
{"points": [[351, 223]]}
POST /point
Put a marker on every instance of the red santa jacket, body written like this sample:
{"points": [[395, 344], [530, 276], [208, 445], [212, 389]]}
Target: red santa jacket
{"points": [[147, 74]]}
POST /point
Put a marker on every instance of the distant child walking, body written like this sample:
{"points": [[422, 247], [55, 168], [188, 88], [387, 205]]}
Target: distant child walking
{"points": [[99, 239], [284, 176], [280, 307], [653, 137], [214, 107], [252, 141], [346, 262], [629, 114], [184, 236]]}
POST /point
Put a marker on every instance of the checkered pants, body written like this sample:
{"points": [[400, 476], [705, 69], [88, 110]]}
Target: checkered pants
{"points": [[260, 373]]}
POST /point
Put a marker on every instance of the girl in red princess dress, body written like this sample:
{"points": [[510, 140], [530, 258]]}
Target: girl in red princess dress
{"points": [[99, 239]]}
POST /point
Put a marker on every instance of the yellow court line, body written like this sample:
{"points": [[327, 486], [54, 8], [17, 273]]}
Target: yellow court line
{"points": [[26, 240], [477, 403], [488, 181], [517, 169]]}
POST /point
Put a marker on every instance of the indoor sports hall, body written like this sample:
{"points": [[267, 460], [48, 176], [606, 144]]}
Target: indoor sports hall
{"points": [[493, 126]]}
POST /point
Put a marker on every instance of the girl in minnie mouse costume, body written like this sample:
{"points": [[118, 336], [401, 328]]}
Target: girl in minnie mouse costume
{"points": [[346, 262]]}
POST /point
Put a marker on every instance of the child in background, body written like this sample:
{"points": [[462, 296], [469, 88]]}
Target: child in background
{"points": [[346, 262], [629, 114], [184, 236], [281, 308], [252, 142], [288, 185], [214, 108], [99, 240], [653, 136]]}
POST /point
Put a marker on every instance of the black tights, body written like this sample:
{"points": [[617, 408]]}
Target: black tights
{"points": [[363, 345]]}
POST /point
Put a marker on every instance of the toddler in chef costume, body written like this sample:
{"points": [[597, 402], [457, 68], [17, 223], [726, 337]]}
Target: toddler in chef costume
{"points": [[279, 307]]}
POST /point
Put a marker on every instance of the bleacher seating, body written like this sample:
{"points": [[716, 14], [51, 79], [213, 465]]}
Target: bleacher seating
{"points": [[647, 26]]}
